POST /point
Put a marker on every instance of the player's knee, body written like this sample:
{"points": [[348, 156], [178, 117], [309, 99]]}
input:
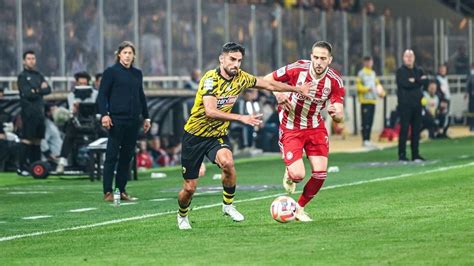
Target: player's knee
{"points": [[227, 164], [189, 188], [296, 175]]}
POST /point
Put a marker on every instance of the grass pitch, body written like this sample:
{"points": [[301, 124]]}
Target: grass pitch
{"points": [[374, 211]]}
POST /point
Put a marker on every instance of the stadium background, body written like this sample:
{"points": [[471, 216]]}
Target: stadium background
{"points": [[372, 210], [175, 37]]}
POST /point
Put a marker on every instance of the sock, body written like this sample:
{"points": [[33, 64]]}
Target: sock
{"points": [[23, 160], [35, 153], [228, 195], [312, 187], [183, 209]]}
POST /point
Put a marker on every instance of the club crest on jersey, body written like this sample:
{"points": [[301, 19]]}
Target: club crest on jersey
{"points": [[289, 155], [227, 100]]}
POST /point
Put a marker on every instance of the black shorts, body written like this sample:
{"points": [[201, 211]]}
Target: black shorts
{"points": [[193, 150], [33, 126]]}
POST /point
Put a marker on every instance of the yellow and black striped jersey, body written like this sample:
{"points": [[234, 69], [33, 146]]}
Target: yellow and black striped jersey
{"points": [[226, 93]]}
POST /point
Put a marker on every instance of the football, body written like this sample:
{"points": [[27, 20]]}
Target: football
{"points": [[283, 209]]}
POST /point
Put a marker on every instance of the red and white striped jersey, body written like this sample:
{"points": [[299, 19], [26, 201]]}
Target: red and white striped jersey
{"points": [[306, 111]]}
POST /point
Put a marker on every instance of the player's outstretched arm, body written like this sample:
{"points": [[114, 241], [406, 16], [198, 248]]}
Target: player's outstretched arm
{"points": [[282, 98], [210, 105], [273, 85], [336, 111]]}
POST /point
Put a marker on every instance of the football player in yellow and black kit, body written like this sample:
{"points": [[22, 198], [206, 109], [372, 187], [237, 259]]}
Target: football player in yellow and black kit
{"points": [[206, 129]]}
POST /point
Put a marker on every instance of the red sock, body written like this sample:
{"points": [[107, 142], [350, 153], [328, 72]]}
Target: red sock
{"points": [[312, 187]]}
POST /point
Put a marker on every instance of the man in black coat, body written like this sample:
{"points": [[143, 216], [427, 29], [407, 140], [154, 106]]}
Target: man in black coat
{"points": [[410, 83], [121, 103], [32, 87]]}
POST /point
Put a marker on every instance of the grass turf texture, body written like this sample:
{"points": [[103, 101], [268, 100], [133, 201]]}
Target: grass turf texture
{"points": [[420, 218]]}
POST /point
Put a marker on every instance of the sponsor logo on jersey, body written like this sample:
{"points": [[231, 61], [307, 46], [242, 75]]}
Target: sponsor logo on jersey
{"points": [[208, 84], [227, 100]]}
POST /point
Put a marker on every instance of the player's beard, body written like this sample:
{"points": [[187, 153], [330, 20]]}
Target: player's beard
{"points": [[231, 72]]}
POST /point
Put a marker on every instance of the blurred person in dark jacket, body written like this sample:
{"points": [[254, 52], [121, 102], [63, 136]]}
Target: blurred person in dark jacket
{"points": [[410, 82], [32, 86]]}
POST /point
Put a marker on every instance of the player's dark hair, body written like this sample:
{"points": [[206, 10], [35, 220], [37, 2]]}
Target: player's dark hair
{"points": [[82, 74], [367, 58], [98, 76], [323, 44], [122, 46], [27, 53], [231, 47]]}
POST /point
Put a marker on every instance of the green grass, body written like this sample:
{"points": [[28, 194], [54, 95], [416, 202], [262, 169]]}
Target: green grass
{"points": [[424, 217]]}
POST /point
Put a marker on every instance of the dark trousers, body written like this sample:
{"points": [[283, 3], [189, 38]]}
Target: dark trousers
{"points": [[409, 116], [367, 112], [69, 138], [120, 149]]}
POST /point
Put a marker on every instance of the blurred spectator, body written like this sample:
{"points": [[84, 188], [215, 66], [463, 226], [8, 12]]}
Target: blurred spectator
{"points": [[368, 89], [97, 80], [152, 50], [444, 95], [369, 9], [193, 83], [160, 156], [470, 96], [461, 61], [144, 159], [52, 142], [430, 111]]}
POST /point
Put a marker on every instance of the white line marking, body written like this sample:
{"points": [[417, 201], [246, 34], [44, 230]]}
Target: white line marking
{"points": [[36, 217], [206, 192], [27, 192], [83, 210], [164, 199], [146, 216], [126, 203]]}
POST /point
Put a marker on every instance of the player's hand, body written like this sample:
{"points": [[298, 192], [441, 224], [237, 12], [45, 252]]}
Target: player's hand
{"points": [[283, 101], [146, 125], [331, 110], [107, 122], [44, 85], [252, 120], [305, 89]]}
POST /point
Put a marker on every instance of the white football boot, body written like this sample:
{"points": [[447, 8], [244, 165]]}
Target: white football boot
{"points": [[232, 212], [183, 223], [288, 184], [301, 215]]}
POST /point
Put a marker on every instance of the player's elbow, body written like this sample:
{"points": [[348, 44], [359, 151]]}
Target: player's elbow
{"points": [[210, 113]]}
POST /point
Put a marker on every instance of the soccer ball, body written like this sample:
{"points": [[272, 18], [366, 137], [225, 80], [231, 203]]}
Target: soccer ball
{"points": [[283, 209]]}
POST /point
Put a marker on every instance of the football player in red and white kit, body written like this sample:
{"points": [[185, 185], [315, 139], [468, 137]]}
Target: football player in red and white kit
{"points": [[301, 124]]}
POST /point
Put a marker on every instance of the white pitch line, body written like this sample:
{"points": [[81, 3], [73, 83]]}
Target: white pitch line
{"points": [[146, 216], [83, 210], [164, 199], [36, 217]]}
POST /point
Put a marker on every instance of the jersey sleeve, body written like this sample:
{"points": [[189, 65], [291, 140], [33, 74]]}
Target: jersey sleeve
{"points": [[338, 93], [281, 74], [249, 80], [207, 87]]}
